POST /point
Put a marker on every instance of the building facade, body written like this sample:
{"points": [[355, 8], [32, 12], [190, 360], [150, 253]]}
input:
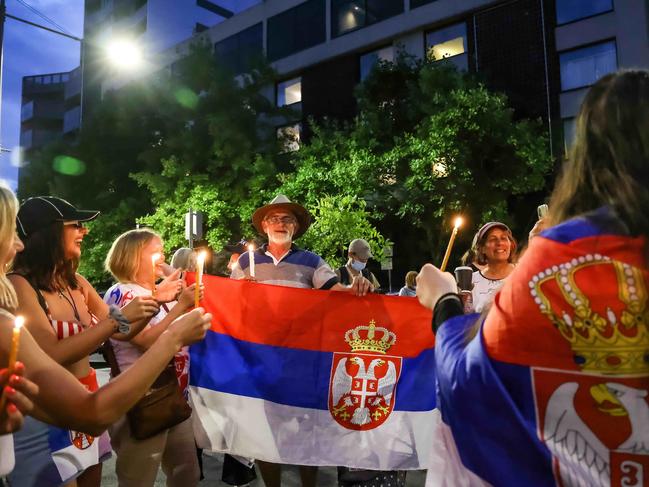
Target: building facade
{"points": [[543, 54]]}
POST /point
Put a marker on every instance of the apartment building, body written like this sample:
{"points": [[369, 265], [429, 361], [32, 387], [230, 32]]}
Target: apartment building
{"points": [[544, 54]]}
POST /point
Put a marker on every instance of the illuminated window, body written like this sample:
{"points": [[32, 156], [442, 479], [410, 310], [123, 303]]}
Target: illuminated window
{"points": [[583, 67], [289, 137], [289, 92], [349, 15], [447, 42], [370, 59]]}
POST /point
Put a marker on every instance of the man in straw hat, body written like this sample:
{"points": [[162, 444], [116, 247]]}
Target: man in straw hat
{"points": [[280, 262]]}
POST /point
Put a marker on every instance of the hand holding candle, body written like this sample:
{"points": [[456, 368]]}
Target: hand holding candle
{"points": [[200, 262], [251, 257], [154, 261], [447, 254]]}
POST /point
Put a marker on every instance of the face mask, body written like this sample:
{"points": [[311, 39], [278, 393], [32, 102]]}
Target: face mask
{"points": [[358, 266]]}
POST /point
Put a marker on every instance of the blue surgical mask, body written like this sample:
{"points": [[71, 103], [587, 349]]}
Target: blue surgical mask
{"points": [[357, 265]]}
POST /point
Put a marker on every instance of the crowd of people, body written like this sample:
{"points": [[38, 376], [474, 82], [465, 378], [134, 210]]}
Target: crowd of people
{"points": [[588, 255]]}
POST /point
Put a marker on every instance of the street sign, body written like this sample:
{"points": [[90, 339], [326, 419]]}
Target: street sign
{"points": [[193, 226], [388, 251], [386, 265]]}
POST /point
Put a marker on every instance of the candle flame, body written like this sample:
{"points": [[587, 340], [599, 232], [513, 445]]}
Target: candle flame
{"points": [[155, 258], [201, 257], [19, 322], [458, 222], [251, 247]]}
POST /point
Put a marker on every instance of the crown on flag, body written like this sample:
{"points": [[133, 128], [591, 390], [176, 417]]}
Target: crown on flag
{"points": [[363, 338], [617, 343]]}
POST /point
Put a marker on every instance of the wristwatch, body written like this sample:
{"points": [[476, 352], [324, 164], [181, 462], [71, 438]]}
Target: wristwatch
{"points": [[123, 325]]}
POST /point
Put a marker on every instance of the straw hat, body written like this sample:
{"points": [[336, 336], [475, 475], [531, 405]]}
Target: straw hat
{"points": [[282, 203]]}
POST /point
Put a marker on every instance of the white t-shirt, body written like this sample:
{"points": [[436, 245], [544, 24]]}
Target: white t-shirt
{"points": [[7, 459], [484, 290], [126, 353]]}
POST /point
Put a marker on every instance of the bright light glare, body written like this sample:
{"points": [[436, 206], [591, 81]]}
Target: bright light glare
{"points": [[458, 222], [124, 54]]}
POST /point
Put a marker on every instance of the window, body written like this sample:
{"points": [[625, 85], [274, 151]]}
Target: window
{"points": [[569, 127], [582, 67], [419, 3], [240, 51], [289, 92], [569, 10], [370, 59], [296, 29], [349, 15], [447, 42], [289, 137]]}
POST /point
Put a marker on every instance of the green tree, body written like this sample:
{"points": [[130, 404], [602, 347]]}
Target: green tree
{"points": [[428, 143]]}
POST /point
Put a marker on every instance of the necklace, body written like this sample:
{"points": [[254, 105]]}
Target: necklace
{"points": [[71, 302]]}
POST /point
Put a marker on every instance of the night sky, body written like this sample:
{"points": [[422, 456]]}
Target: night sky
{"points": [[29, 51]]}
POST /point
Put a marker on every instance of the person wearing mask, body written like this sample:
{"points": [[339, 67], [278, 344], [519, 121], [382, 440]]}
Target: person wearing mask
{"points": [[496, 251], [358, 254], [57, 396], [551, 387], [410, 289]]}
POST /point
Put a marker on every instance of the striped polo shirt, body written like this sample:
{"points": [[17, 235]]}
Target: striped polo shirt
{"points": [[298, 268]]}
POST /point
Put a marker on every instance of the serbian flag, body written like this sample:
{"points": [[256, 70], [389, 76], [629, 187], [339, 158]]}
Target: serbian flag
{"points": [[311, 377], [552, 388]]}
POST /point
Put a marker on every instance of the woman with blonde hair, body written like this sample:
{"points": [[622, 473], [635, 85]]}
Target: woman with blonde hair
{"points": [[138, 461], [58, 397]]}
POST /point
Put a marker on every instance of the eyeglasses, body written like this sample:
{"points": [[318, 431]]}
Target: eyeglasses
{"points": [[77, 225], [287, 220]]}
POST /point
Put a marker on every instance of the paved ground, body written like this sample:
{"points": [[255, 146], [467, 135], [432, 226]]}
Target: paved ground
{"points": [[213, 462]]}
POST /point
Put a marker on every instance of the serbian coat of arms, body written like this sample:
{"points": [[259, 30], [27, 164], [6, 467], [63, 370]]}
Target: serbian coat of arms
{"points": [[362, 388], [595, 421]]}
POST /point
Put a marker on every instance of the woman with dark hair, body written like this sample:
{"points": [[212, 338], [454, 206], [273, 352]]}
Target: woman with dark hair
{"points": [[495, 252], [561, 362], [68, 319]]}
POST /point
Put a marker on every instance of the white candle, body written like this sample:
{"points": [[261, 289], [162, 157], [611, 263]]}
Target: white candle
{"points": [[458, 223], [200, 262], [251, 257]]}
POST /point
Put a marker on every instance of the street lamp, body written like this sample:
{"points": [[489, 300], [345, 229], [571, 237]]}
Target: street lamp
{"points": [[124, 54]]}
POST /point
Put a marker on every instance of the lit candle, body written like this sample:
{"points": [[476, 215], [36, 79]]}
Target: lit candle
{"points": [[458, 223], [154, 277], [200, 262], [15, 340], [13, 353], [251, 257]]}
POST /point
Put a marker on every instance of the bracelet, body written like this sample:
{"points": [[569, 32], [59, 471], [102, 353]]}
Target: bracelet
{"points": [[116, 314], [446, 296]]}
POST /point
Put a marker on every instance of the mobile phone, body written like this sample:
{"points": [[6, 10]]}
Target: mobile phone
{"points": [[542, 211]]}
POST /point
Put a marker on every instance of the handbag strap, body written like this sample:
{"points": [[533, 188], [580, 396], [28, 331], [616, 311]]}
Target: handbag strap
{"points": [[109, 355]]}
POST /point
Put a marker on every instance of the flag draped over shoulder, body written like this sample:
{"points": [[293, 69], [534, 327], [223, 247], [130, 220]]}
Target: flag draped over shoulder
{"points": [[553, 389], [313, 377]]}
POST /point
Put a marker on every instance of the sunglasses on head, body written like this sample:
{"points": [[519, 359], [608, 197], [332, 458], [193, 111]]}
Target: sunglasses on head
{"points": [[77, 225]]}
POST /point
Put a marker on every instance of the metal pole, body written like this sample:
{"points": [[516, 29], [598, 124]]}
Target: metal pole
{"points": [[191, 228], [3, 14]]}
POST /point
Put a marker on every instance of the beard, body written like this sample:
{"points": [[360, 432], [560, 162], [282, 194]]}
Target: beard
{"points": [[280, 238]]}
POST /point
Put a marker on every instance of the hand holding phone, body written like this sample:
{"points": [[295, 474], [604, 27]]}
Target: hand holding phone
{"points": [[542, 211]]}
